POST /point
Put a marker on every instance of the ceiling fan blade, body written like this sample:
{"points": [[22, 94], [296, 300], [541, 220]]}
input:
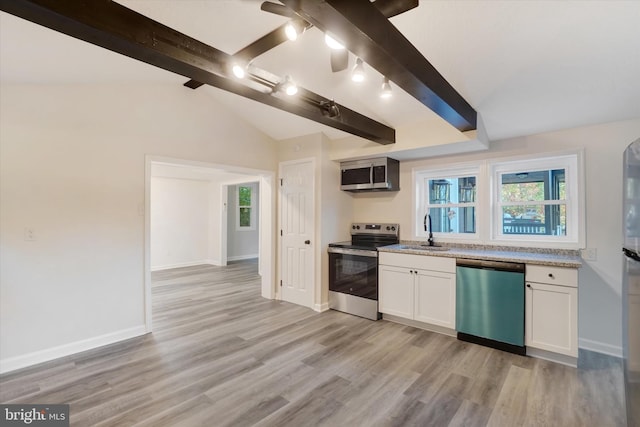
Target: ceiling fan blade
{"points": [[263, 44], [391, 8], [278, 9], [339, 60]]}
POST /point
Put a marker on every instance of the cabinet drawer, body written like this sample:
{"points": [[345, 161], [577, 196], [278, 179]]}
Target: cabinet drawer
{"points": [[552, 275], [424, 262]]}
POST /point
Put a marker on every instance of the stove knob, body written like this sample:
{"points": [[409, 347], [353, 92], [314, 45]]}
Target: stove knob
{"points": [[353, 227], [388, 228], [393, 229], [358, 227]]}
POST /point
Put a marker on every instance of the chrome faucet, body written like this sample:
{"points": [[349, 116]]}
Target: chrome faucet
{"points": [[430, 239]]}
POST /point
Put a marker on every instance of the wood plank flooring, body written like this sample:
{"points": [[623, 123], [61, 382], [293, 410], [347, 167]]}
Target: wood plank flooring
{"points": [[220, 355]]}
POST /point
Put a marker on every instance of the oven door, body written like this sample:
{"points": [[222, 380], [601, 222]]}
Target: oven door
{"points": [[354, 272]]}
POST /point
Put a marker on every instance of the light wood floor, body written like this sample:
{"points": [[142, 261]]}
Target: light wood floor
{"points": [[221, 355]]}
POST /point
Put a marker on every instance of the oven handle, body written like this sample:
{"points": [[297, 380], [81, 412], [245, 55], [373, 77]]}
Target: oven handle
{"points": [[356, 252]]}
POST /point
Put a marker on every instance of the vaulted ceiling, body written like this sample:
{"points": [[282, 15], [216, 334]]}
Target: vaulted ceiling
{"points": [[525, 66]]}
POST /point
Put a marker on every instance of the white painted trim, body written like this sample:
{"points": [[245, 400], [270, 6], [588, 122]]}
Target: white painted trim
{"points": [[182, 264], [600, 347], [242, 257], [148, 303], [266, 245], [563, 359], [224, 203], [19, 362], [321, 307]]}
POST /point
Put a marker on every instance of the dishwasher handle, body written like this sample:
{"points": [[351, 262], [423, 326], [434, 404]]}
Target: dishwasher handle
{"points": [[490, 265]]}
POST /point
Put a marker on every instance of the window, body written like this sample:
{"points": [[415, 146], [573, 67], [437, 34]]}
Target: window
{"points": [[536, 200], [449, 197], [245, 213]]}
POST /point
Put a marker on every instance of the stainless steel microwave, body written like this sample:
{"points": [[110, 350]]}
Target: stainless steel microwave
{"points": [[379, 174]]}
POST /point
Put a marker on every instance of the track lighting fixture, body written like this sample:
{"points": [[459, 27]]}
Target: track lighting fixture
{"points": [[240, 71], [332, 43], [385, 91], [357, 75], [329, 108], [293, 29], [289, 86]]}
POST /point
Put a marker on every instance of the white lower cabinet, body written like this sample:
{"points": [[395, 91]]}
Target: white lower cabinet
{"points": [[395, 291], [552, 309], [417, 287], [435, 298]]}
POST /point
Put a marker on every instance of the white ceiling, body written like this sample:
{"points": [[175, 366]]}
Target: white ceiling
{"points": [[525, 66]]}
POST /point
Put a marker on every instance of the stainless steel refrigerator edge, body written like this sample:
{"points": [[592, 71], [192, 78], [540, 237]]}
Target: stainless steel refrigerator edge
{"points": [[631, 282]]}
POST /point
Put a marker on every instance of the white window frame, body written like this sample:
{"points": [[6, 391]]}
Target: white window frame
{"points": [[572, 163], [252, 206], [421, 178]]}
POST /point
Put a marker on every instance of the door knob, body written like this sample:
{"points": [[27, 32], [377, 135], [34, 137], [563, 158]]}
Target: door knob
{"points": [[307, 242]]}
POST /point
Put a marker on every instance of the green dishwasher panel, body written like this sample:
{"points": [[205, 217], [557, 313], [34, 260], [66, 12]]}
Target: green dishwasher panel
{"points": [[490, 304]]}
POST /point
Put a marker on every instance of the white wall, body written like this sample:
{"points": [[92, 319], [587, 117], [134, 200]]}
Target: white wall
{"points": [[241, 244], [72, 167], [600, 281], [179, 222]]}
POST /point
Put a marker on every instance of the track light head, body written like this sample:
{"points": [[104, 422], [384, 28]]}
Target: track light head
{"points": [[289, 86], [357, 75], [329, 108], [239, 71], [385, 91], [294, 29]]}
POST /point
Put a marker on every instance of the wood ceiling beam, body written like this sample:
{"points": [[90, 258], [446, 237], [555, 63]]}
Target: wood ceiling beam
{"points": [[112, 26], [367, 33]]}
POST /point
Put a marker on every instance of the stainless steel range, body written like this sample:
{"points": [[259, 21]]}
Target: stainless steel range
{"points": [[353, 269]]}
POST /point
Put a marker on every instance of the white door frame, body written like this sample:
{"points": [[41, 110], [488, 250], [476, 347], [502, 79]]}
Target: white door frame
{"points": [[278, 294], [266, 218]]}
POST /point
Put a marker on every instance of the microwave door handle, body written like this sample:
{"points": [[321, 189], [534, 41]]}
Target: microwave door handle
{"points": [[371, 174]]}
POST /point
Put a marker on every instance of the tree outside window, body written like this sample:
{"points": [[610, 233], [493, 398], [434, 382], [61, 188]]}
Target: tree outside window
{"points": [[245, 218]]}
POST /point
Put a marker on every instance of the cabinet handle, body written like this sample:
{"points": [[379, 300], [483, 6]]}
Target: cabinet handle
{"points": [[551, 275], [528, 285], [411, 271]]}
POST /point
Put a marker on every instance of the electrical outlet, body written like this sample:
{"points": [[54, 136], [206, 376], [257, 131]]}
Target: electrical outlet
{"points": [[29, 234], [589, 254]]}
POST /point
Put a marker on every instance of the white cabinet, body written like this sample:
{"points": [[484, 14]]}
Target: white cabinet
{"points": [[395, 291], [552, 309], [418, 287]]}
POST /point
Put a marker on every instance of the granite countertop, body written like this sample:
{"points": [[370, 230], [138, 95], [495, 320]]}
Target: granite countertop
{"points": [[550, 257]]}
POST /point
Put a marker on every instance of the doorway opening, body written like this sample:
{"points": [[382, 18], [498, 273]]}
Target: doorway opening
{"points": [[187, 216]]}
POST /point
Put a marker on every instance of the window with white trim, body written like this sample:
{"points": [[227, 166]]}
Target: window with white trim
{"points": [[536, 200], [245, 212], [450, 198]]}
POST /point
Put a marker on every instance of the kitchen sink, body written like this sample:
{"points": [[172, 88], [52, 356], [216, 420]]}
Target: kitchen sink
{"points": [[424, 248]]}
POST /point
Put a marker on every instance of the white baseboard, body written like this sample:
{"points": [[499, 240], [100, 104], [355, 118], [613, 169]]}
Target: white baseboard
{"points": [[19, 362], [182, 264], [554, 357], [321, 307], [241, 257], [600, 347]]}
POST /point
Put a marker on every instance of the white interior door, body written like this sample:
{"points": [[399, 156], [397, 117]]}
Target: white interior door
{"points": [[297, 230]]}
